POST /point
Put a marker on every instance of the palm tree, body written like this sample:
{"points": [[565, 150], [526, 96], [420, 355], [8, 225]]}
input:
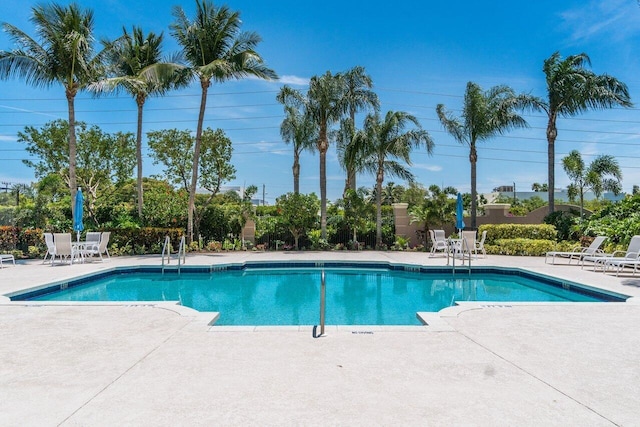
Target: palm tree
{"points": [[573, 89], [64, 54], [484, 115], [136, 63], [385, 144], [298, 129], [436, 208], [325, 104], [593, 177], [358, 96], [214, 49]]}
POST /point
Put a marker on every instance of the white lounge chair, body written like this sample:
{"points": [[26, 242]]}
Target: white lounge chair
{"points": [[100, 247], [92, 238], [618, 258], [579, 252], [480, 245], [64, 249], [51, 247], [438, 241], [7, 257]]}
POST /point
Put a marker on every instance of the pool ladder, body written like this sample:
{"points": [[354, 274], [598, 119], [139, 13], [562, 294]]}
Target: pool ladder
{"points": [[323, 293], [166, 253], [463, 249]]}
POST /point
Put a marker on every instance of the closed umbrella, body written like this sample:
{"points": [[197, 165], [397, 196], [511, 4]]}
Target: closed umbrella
{"points": [[78, 226], [459, 211]]}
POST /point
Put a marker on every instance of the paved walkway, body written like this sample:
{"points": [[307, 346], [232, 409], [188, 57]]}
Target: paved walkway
{"points": [[537, 364]]}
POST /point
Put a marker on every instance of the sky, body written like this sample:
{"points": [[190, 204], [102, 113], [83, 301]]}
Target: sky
{"points": [[418, 54]]}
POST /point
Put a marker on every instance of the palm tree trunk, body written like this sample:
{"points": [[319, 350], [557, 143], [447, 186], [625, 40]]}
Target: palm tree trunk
{"points": [[71, 93], [140, 101], [204, 83], [351, 171], [296, 172], [552, 133], [379, 179], [473, 159], [323, 145]]}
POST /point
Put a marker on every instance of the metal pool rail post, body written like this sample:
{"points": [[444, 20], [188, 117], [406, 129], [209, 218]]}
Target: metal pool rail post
{"points": [[323, 292]]}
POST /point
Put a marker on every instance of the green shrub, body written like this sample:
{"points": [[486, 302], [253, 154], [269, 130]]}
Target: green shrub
{"points": [[526, 247], [497, 232], [566, 224]]}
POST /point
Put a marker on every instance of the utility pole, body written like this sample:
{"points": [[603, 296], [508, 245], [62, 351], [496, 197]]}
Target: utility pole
{"points": [[514, 193], [263, 193]]}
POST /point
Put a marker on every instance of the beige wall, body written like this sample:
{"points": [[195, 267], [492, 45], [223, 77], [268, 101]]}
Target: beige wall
{"points": [[494, 214]]}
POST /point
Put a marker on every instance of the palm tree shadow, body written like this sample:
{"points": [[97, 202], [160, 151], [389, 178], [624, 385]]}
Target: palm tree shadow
{"points": [[631, 282]]}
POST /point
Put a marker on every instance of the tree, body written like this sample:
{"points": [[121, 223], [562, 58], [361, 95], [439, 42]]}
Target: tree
{"points": [[214, 49], [298, 129], [137, 69], [437, 208], [537, 187], [174, 149], [325, 104], [356, 211], [574, 89], [485, 114], [299, 212], [64, 55], [386, 143], [593, 177], [102, 159], [358, 97]]}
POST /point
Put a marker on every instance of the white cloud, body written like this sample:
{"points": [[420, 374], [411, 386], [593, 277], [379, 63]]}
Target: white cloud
{"points": [[615, 18], [8, 138], [294, 80], [287, 80], [430, 168]]}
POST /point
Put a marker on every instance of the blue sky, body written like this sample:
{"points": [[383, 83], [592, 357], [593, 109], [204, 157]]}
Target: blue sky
{"points": [[418, 54]]}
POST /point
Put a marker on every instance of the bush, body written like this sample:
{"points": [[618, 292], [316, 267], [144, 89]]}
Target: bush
{"points": [[526, 247], [565, 224], [129, 241], [497, 232]]}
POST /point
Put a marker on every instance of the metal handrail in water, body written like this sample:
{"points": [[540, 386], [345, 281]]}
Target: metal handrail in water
{"points": [[166, 249], [461, 246], [323, 293], [181, 251]]}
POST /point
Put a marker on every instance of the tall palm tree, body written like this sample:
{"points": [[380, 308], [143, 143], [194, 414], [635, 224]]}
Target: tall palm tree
{"points": [[138, 69], [358, 96], [325, 104], [385, 144], [298, 129], [65, 54], [484, 115], [215, 49], [603, 174], [574, 89]]}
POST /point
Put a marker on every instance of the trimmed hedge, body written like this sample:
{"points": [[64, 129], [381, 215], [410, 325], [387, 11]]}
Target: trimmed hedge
{"points": [[526, 247], [123, 241], [497, 232], [16, 238]]}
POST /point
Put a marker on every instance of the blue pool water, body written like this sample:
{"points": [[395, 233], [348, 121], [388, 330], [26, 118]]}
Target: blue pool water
{"points": [[265, 296]]}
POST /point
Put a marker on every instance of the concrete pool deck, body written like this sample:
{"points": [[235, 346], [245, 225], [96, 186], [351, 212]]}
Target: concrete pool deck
{"points": [[502, 364]]}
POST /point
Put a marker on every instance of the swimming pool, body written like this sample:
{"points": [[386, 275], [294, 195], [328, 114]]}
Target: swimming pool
{"points": [[356, 294]]}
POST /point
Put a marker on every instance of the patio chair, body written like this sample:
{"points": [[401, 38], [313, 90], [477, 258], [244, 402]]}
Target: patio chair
{"points": [[578, 252], [469, 243], [64, 248], [438, 241], [7, 257], [92, 238], [100, 247], [51, 247], [617, 258], [480, 245]]}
